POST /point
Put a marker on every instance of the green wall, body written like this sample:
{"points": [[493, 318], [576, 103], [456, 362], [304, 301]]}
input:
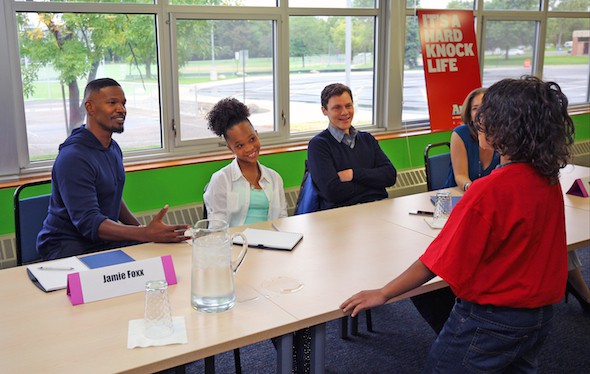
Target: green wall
{"points": [[582, 123], [181, 185]]}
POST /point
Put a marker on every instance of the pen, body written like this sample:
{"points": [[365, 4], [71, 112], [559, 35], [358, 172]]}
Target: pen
{"points": [[55, 268], [421, 212], [275, 227]]}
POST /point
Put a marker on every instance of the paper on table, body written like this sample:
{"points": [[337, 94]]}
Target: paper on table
{"points": [[135, 337], [435, 224], [270, 239], [53, 275]]}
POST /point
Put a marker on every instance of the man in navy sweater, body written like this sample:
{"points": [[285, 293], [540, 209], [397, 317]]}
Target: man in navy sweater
{"points": [[346, 165], [86, 209]]}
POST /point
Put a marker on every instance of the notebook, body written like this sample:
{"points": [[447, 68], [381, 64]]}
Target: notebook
{"points": [[269, 239], [102, 259], [53, 275]]}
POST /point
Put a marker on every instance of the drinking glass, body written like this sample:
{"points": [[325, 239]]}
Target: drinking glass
{"points": [[442, 207], [157, 316]]}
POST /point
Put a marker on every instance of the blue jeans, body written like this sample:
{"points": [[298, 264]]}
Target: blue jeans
{"points": [[487, 339]]}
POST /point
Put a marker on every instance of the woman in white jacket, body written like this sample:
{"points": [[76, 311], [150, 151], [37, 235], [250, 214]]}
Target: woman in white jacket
{"points": [[244, 191]]}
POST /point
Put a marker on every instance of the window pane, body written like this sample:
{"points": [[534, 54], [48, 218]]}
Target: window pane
{"points": [[333, 4], [566, 56], [225, 58], [569, 5], [93, 1], [415, 104], [509, 50], [344, 54], [57, 64], [512, 4], [440, 4], [225, 2]]}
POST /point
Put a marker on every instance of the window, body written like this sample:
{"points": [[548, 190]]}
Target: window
{"points": [[567, 58], [177, 58], [512, 5], [216, 59], [345, 54], [59, 52], [508, 50], [415, 104], [509, 46]]}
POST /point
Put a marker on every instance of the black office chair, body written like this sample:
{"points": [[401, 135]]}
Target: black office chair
{"points": [[437, 166], [29, 214], [434, 305]]}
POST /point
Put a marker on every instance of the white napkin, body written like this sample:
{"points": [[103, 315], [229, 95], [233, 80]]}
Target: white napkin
{"points": [[435, 224], [135, 337]]}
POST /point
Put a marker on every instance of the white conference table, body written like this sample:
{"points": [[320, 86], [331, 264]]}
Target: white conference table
{"points": [[44, 333], [577, 216], [343, 251], [348, 263]]}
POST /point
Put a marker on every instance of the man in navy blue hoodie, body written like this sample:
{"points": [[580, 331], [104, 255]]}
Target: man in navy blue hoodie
{"points": [[347, 165], [86, 210]]}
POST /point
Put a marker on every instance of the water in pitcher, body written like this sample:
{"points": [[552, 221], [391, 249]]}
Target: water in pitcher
{"points": [[212, 277]]}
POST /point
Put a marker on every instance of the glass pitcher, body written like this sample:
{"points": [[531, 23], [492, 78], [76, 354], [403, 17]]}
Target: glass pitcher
{"points": [[212, 276]]}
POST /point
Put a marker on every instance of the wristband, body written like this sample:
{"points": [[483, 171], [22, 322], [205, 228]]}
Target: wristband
{"points": [[466, 186]]}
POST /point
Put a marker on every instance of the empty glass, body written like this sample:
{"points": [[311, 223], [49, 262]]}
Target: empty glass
{"points": [[157, 317], [442, 208]]}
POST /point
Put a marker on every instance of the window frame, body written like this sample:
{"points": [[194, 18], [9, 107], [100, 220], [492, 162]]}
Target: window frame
{"points": [[387, 80]]}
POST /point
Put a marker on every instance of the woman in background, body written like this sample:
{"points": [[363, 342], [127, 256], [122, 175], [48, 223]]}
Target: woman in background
{"points": [[244, 191], [469, 160]]}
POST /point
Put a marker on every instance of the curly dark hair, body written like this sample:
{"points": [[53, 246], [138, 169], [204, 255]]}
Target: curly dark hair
{"points": [[466, 111], [526, 120], [226, 114]]}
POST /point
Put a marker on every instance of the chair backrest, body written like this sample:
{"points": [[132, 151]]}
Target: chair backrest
{"points": [[437, 166], [29, 214], [308, 199]]}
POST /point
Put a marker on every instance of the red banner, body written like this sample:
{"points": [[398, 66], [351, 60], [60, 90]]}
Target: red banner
{"points": [[451, 65]]}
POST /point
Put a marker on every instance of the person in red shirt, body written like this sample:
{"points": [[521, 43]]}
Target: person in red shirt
{"points": [[503, 250]]}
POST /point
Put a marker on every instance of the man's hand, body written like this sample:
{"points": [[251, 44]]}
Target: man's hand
{"points": [[159, 232], [345, 175]]}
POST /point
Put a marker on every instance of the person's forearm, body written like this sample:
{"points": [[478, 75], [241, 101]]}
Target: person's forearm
{"points": [[114, 231], [462, 180], [379, 177], [414, 276], [126, 217]]}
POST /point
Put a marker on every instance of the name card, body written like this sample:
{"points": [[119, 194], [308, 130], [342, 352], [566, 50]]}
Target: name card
{"points": [[580, 187], [117, 280]]}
